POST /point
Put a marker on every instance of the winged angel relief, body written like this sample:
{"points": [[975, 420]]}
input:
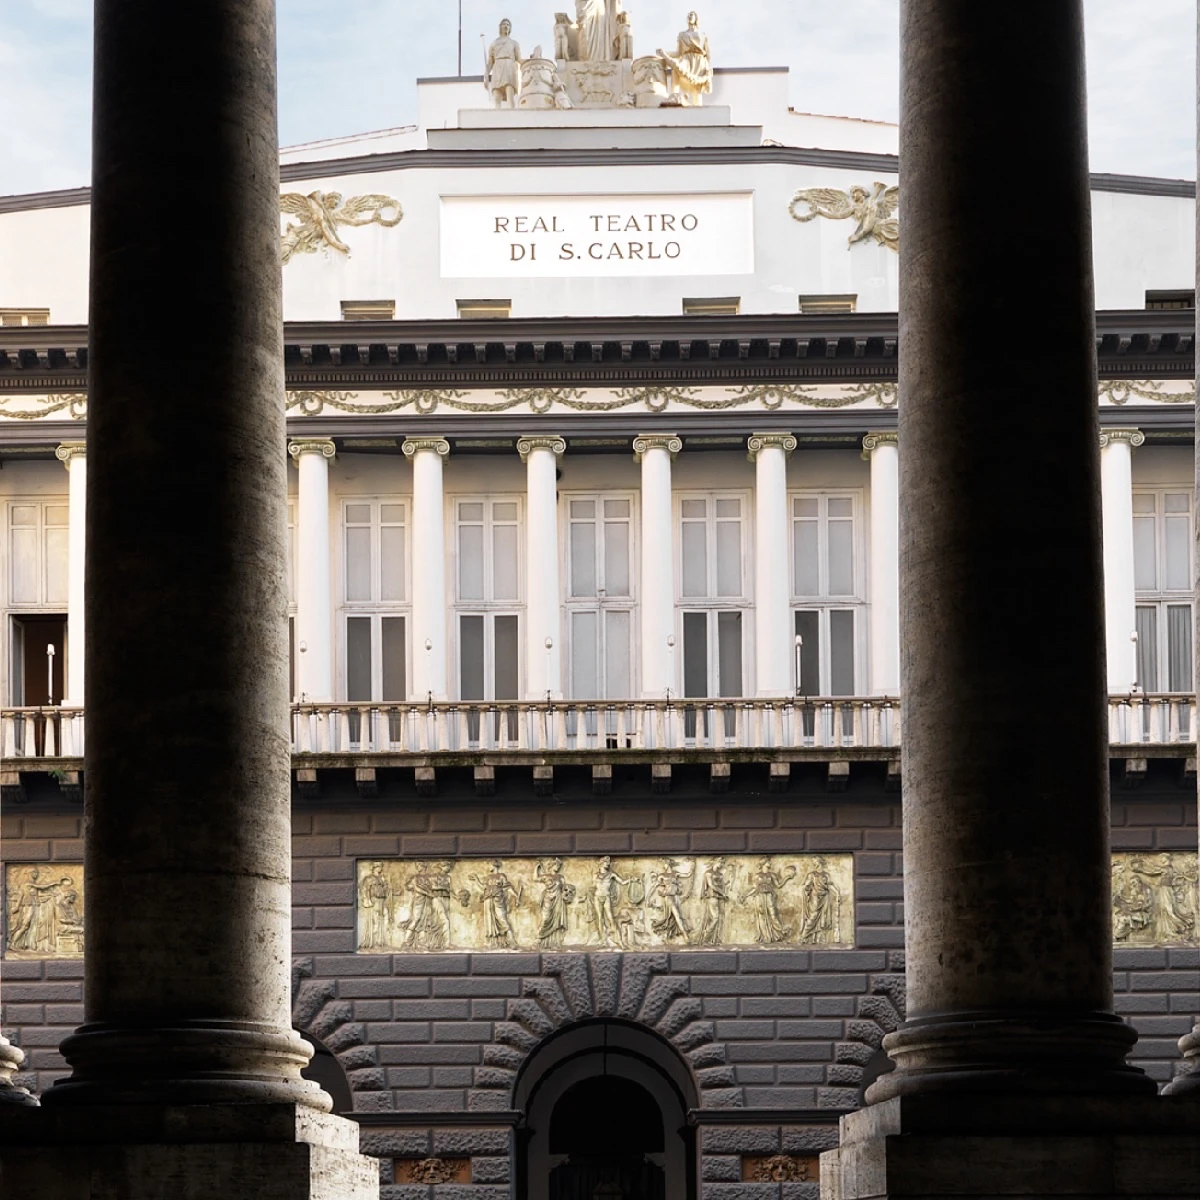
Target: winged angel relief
{"points": [[875, 211], [318, 215]]}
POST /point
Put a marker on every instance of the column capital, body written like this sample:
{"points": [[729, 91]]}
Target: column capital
{"points": [[873, 441], [66, 451], [769, 441], [671, 442], [322, 446], [527, 445], [413, 446], [1135, 437]]}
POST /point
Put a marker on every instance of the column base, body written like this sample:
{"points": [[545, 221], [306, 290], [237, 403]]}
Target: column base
{"points": [[11, 1061], [1094, 1147], [270, 1152], [1187, 1083]]}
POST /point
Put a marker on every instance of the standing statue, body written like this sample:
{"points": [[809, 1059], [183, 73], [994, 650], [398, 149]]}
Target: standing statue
{"points": [[503, 68], [557, 897], [623, 42], [691, 64], [714, 894], [822, 907], [374, 892], [668, 895], [562, 37], [606, 895], [763, 901], [597, 24]]}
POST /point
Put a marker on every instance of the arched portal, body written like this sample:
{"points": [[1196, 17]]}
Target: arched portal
{"points": [[605, 1105]]}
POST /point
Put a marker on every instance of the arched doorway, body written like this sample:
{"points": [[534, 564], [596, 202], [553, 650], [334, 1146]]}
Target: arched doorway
{"points": [[605, 1105]]}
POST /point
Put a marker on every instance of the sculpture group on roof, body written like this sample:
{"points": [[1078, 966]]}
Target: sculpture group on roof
{"points": [[593, 65]]}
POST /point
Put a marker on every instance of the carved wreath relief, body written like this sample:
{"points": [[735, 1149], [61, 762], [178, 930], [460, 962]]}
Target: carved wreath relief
{"points": [[317, 216], [1154, 899], [44, 910], [606, 902]]}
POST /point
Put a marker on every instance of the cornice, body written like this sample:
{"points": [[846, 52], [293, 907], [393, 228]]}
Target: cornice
{"points": [[758, 442], [527, 445]]}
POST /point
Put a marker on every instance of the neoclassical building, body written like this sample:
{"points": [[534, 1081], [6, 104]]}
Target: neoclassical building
{"points": [[592, 590]]}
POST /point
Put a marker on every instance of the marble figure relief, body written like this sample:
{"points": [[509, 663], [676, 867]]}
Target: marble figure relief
{"points": [[316, 217], [44, 910], [606, 902], [1155, 899], [874, 210]]}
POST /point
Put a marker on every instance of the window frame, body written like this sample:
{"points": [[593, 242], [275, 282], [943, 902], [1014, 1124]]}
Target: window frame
{"points": [[1161, 598]]}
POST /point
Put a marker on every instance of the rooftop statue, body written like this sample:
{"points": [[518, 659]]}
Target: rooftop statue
{"points": [[691, 64], [596, 21], [502, 73]]}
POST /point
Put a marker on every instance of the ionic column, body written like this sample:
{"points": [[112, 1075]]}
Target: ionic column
{"points": [[543, 595], [186, 858], [656, 451], [1006, 847], [429, 577], [73, 455], [1116, 499], [314, 600], [882, 450], [773, 631]]}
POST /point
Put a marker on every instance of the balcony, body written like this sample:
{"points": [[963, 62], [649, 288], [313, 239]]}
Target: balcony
{"points": [[827, 733]]}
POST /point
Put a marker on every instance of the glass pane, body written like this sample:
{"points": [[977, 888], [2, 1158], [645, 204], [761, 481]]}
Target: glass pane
{"points": [[1177, 502], [584, 682], [616, 508], [694, 508], [358, 563], [395, 653], [695, 557], [583, 558], [1145, 575], [1143, 502], [470, 658], [583, 508], [391, 549], [507, 671], [729, 509], [24, 572], [1178, 567], [841, 506], [505, 511], [57, 514], [729, 653], [810, 509], [695, 654], [1147, 647], [616, 557], [470, 512], [391, 514], [806, 566], [358, 658], [618, 683], [23, 514], [504, 562], [470, 562], [808, 629], [729, 558], [841, 558], [1179, 647], [841, 652], [56, 566], [358, 514]]}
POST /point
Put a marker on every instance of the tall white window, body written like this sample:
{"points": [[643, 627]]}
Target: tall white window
{"points": [[37, 592], [488, 534], [1162, 558], [827, 593], [599, 602], [712, 591], [375, 599]]}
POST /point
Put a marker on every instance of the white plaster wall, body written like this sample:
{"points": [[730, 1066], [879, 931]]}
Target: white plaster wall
{"points": [[1141, 243], [44, 262], [1163, 466]]}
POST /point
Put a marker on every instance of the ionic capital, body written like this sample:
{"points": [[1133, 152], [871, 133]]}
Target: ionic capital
{"points": [[413, 446], [69, 450], [758, 442], [322, 446], [1135, 437], [527, 445], [671, 442], [873, 441]]}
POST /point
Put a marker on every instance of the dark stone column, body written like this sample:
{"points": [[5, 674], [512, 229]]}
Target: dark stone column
{"points": [[187, 822], [1006, 842]]}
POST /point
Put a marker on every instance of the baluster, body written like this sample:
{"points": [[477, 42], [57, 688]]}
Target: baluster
{"points": [[444, 720], [660, 729], [1173, 720], [894, 712], [29, 726], [525, 735], [1137, 731]]}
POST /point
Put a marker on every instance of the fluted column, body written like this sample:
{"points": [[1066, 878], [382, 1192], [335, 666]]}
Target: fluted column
{"points": [[882, 450], [73, 455], [655, 451], [314, 598], [773, 631], [543, 595], [429, 559], [186, 850], [1116, 498], [1006, 847]]}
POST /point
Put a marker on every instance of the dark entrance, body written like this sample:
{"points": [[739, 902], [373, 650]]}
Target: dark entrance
{"points": [[609, 1131]]}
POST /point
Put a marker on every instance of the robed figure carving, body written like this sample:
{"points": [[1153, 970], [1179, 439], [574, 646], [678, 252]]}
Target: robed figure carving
{"points": [[596, 22]]}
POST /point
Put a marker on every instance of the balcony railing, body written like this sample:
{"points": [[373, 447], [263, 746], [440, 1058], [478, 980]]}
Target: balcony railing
{"points": [[597, 727]]}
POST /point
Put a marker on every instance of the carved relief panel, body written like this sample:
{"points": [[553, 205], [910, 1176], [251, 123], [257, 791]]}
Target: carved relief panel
{"points": [[1155, 899], [44, 910], [605, 902]]}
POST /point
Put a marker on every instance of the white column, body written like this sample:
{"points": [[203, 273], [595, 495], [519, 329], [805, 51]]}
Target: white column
{"points": [[429, 567], [1116, 493], [314, 601], [73, 455], [543, 597], [882, 449], [773, 630], [655, 452]]}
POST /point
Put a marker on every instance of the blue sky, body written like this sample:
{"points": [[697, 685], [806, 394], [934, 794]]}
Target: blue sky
{"points": [[350, 66]]}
